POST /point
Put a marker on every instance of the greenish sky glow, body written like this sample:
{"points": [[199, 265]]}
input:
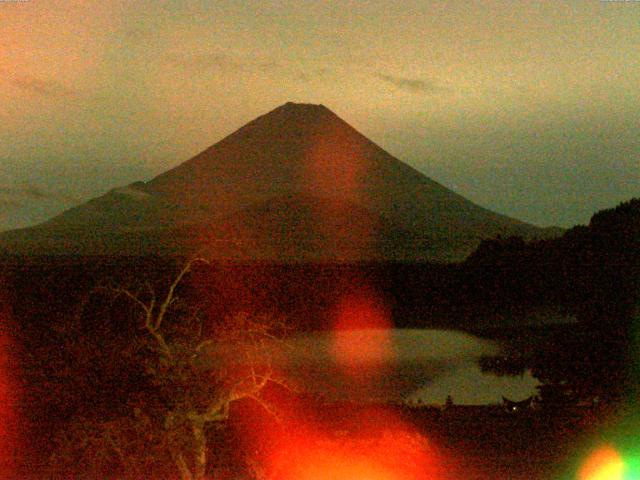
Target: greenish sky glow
{"points": [[530, 109]]}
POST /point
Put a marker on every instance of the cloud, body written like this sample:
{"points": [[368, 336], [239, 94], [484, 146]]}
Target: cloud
{"points": [[312, 74], [17, 196], [42, 87], [412, 85]]}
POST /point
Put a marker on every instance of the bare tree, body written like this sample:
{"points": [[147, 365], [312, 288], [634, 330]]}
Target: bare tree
{"points": [[195, 376]]}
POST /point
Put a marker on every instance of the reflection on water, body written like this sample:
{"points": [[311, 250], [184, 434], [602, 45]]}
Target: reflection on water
{"points": [[425, 366], [468, 385]]}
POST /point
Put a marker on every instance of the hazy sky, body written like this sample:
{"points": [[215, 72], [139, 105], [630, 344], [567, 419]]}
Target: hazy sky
{"points": [[528, 108]]}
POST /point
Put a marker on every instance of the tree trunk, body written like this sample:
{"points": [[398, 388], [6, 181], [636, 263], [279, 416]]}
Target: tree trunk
{"points": [[200, 450], [185, 473]]}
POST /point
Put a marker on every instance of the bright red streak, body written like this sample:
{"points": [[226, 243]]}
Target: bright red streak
{"points": [[334, 164], [8, 421], [335, 173], [361, 339]]}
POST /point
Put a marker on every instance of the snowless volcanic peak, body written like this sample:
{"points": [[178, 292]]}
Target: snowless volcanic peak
{"points": [[296, 184], [294, 149]]}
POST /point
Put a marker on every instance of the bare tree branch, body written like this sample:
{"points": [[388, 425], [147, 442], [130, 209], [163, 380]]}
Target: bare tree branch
{"points": [[199, 378], [170, 297], [147, 309]]}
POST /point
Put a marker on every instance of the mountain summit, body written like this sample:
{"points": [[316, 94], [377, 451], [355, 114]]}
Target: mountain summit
{"points": [[296, 184]]}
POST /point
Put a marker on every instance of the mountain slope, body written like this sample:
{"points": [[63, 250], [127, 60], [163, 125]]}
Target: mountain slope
{"points": [[296, 184]]}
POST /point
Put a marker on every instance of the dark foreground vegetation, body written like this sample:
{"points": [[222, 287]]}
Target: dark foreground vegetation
{"points": [[97, 394]]}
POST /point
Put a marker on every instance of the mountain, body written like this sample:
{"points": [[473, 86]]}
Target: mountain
{"points": [[296, 184]]}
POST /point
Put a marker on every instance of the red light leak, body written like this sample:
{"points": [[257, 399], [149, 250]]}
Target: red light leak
{"points": [[327, 172], [8, 421], [335, 171], [361, 338], [383, 449], [353, 442], [338, 460]]}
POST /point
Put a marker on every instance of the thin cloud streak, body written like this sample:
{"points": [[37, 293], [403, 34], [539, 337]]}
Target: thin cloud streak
{"points": [[43, 87], [206, 61], [411, 85], [16, 196]]}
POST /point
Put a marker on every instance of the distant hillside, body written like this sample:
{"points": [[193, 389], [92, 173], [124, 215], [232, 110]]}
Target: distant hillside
{"points": [[297, 184], [592, 272]]}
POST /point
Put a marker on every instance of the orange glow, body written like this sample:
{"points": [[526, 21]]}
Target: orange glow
{"points": [[390, 452], [318, 441], [322, 465], [603, 464], [361, 338]]}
